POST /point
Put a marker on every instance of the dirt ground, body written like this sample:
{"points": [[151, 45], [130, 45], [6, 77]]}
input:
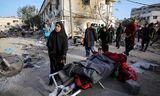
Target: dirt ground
{"points": [[33, 80]]}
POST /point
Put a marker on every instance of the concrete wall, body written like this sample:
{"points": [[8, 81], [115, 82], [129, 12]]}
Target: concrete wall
{"points": [[148, 12], [13, 21], [155, 13]]}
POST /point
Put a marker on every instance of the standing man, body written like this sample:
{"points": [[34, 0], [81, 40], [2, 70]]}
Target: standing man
{"points": [[130, 31], [147, 36], [156, 36], [89, 38], [111, 34], [118, 35]]}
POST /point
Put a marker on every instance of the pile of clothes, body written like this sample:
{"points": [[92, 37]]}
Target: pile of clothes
{"points": [[93, 69], [98, 66]]}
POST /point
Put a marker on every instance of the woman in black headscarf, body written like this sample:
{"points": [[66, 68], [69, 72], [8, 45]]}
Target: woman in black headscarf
{"points": [[57, 48], [104, 36]]}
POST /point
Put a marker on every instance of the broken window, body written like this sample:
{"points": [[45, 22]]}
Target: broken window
{"points": [[86, 2], [50, 7], [57, 4], [15, 21], [154, 17], [108, 1]]}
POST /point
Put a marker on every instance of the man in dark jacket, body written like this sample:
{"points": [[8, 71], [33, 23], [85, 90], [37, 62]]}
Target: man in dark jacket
{"points": [[111, 34], [147, 36], [118, 35], [89, 38], [104, 36], [156, 36]]}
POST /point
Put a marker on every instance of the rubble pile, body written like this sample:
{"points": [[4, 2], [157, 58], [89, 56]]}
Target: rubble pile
{"points": [[34, 55], [10, 65], [20, 33]]}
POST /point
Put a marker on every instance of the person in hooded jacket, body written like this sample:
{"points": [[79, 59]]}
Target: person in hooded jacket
{"points": [[57, 48]]}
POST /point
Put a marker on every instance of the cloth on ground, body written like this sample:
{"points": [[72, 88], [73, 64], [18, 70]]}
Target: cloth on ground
{"points": [[124, 70], [94, 68]]}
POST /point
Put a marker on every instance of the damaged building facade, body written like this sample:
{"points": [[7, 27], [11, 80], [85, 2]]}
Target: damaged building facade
{"points": [[150, 13], [76, 13], [8, 22]]}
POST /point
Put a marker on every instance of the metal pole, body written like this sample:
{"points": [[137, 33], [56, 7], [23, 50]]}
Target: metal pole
{"points": [[70, 10]]}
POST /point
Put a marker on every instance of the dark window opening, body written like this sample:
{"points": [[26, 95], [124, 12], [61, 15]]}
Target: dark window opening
{"points": [[86, 2], [57, 4], [154, 17], [15, 21], [107, 2], [50, 7]]}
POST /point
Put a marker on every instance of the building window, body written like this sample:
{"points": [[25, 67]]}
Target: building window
{"points": [[50, 7], [148, 18], [15, 21], [154, 17], [86, 2], [57, 4], [108, 1]]}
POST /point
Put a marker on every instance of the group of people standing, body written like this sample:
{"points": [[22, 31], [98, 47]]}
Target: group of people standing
{"points": [[149, 33], [105, 35], [57, 41]]}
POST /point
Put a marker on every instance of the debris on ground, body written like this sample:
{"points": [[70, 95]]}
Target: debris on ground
{"points": [[10, 65], [132, 86], [141, 66]]}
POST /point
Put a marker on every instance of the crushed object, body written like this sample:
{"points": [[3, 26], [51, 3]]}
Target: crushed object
{"points": [[150, 67], [4, 65], [141, 66], [132, 86], [28, 65]]}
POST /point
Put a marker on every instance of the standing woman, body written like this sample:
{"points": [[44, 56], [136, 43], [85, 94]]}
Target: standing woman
{"points": [[104, 36], [57, 48]]}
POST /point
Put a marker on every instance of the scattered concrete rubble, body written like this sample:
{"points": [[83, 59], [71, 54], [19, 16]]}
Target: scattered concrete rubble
{"points": [[141, 66], [10, 65], [132, 86], [20, 33], [33, 54]]}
